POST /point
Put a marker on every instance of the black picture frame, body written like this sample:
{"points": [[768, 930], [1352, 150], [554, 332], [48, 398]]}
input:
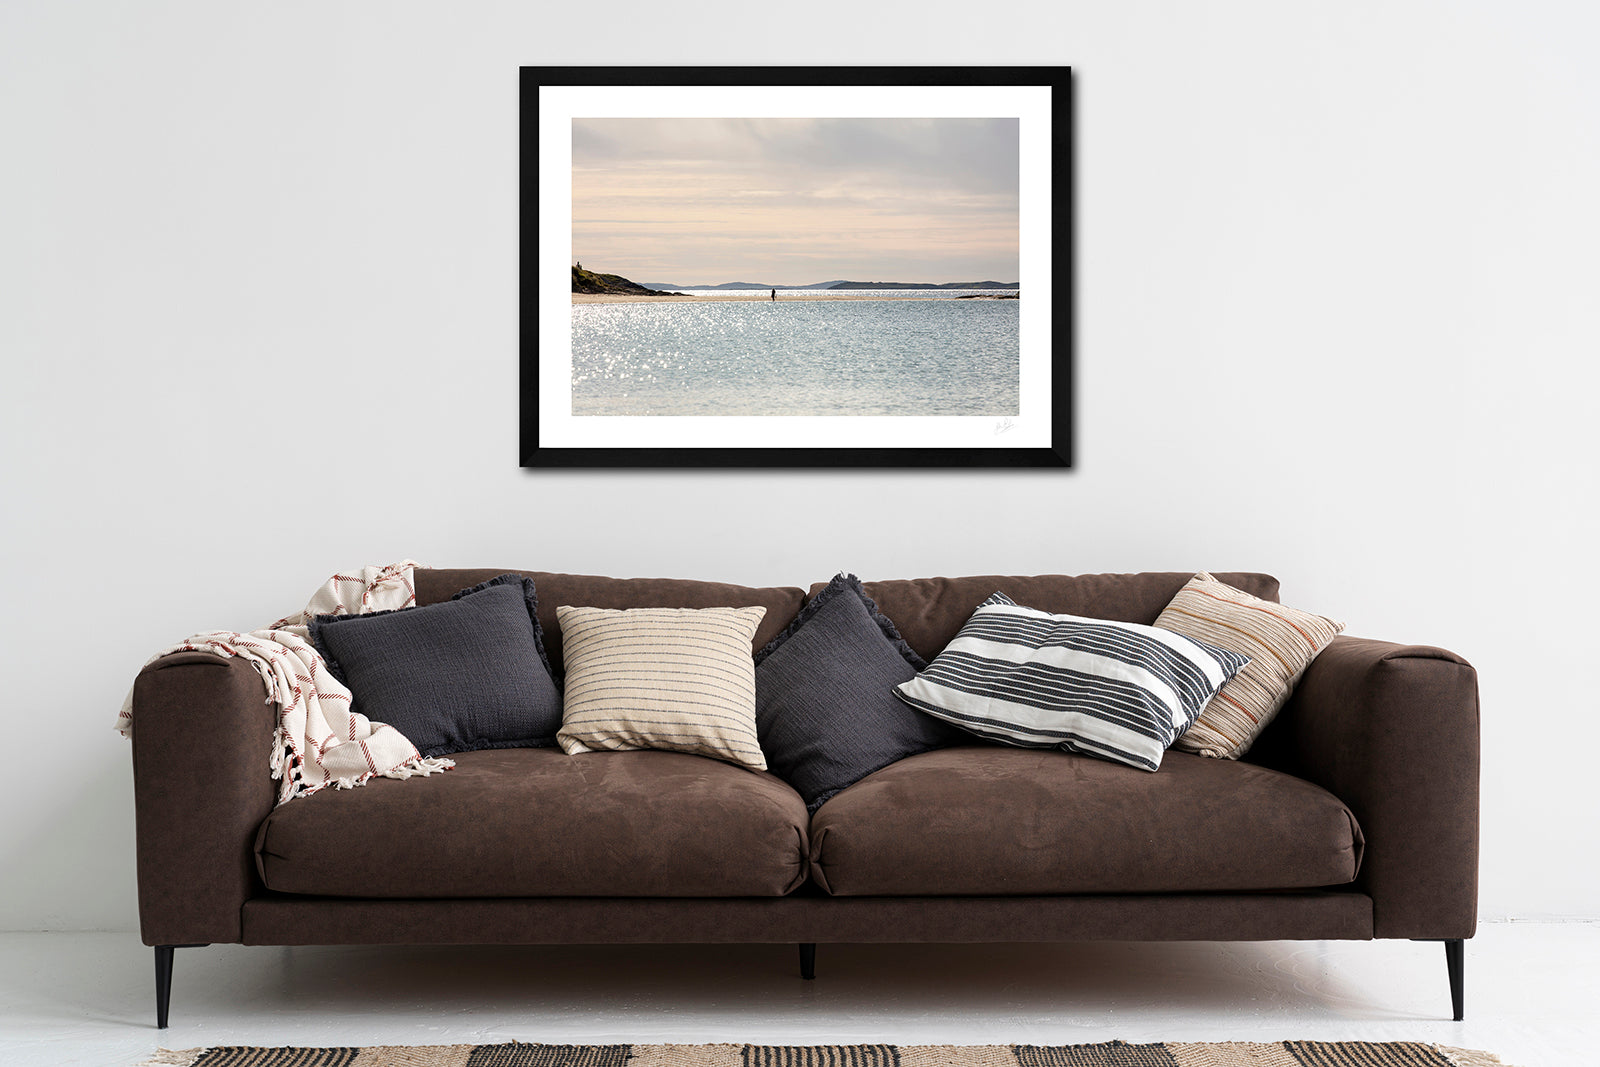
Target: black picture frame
{"points": [[537, 452]]}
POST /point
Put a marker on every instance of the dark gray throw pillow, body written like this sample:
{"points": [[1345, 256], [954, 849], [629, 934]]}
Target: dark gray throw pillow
{"points": [[467, 674], [826, 712]]}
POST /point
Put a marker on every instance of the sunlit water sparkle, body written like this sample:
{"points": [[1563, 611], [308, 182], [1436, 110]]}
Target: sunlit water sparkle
{"points": [[861, 356]]}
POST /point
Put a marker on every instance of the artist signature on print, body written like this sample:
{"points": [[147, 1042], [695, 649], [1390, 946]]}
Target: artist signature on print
{"points": [[1004, 426]]}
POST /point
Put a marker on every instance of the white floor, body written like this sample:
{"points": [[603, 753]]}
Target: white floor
{"points": [[88, 998]]}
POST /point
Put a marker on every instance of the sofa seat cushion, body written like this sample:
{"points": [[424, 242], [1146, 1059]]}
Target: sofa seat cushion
{"points": [[1008, 821], [539, 823]]}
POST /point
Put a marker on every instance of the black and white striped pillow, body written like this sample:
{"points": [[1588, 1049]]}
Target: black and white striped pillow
{"points": [[1116, 690]]}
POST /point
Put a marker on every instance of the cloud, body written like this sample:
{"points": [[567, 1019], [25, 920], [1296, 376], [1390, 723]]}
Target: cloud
{"points": [[895, 191], [978, 155]]}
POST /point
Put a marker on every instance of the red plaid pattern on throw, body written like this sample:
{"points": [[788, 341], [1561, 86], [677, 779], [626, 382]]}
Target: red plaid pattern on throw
{"points": [[321, 740]]}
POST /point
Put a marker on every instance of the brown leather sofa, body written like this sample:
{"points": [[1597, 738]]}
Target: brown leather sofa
{"points": [[1355, 816]]}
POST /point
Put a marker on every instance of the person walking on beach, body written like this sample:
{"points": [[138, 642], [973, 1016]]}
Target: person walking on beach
{"points": [[774, 296]]}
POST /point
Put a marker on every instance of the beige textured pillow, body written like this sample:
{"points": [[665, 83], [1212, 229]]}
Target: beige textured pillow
{"points": [[1280, 641], [681, 679]]}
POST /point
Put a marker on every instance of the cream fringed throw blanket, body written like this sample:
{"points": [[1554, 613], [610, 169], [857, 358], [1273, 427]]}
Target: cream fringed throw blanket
{"points": [[320, 740]]}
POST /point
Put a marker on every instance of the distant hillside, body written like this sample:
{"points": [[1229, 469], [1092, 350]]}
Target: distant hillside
{"points": [[923, 285], [742, 285], [836, 284], [587, 281]]}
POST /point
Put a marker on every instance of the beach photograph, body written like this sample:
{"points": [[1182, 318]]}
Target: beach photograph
{"points": [[795, 266]]}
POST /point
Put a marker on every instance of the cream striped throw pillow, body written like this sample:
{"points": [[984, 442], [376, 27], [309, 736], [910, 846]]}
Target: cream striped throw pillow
{"points": [[680, 679], [1280, 641]]}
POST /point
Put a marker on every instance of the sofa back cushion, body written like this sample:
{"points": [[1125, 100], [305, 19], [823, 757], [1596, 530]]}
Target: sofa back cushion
{"points": [[584, 590], [929, 612]]}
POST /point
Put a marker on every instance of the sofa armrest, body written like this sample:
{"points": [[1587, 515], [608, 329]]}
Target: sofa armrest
{"points": [[202, 741], [1392, 730]]}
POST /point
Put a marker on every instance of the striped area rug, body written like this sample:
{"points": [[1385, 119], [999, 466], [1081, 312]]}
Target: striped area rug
{"points": [[1109, 1054]]}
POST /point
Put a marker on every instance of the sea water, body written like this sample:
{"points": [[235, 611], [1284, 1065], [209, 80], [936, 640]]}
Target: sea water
{"points": [[864, 355]]}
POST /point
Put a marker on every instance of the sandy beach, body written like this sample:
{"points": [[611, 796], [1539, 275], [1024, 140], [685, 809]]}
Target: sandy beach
{"points": [[754, 296]]}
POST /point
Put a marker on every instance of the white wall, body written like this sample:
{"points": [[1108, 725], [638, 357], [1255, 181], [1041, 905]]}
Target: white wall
{"points": [[259, 321]]}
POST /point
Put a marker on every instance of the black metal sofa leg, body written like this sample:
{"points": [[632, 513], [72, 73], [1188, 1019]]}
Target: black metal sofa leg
{"points": [[164, 981], [808, 960], [1455, 961]]}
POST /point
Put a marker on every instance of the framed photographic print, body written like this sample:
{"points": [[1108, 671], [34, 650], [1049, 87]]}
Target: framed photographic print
{"points": [[796, 267]]}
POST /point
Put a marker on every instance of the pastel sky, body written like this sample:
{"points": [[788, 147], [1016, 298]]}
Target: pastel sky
{"points": [[795, 201]]}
